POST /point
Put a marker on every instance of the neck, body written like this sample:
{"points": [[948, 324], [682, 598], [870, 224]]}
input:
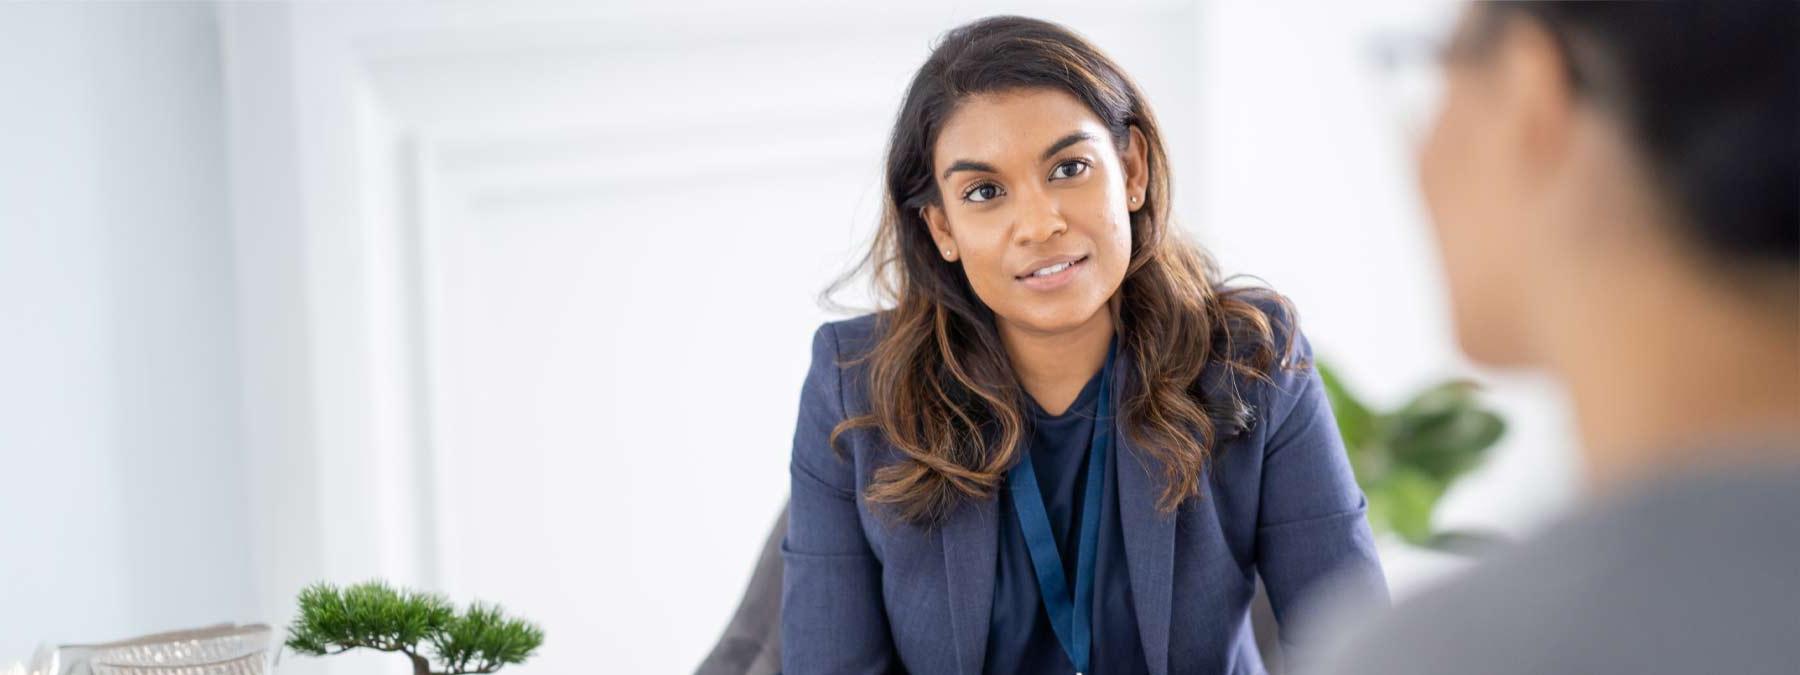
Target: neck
{"points": [[1054, 366], [1680, 374]]}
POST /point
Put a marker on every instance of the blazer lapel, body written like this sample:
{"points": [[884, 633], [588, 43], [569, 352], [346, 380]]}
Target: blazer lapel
{"points": [[1149, 543], [971, 540]]}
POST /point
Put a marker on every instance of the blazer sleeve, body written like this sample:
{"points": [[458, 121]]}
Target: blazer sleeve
{"points": [[832, 616], [1314, 548]]}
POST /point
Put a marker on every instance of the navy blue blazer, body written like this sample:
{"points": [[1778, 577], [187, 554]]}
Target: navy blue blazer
{"points": [[866, 594]]}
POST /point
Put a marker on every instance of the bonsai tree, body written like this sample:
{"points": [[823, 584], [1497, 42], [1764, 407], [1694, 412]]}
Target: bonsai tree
{"points": [[1405, 459], [373, 615]]}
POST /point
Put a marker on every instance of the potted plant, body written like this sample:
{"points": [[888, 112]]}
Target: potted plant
{"points": [[1405, 459], [374, 615]]}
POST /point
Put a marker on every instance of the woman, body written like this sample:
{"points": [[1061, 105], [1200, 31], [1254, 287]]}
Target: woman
{"points": [[1615, 189], [1066, 447]]}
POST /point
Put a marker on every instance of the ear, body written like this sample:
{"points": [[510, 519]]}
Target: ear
{"points": [[939, 226], [1137, 168]]}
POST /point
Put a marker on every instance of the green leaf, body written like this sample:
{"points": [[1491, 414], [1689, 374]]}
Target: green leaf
{"points": [[1405, 460], [1403, 504], [1353, 418], [1450, 446]]}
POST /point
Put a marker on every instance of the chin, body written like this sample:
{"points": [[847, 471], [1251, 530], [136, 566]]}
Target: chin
{"points": [[1486, 341], [1043, 316]]}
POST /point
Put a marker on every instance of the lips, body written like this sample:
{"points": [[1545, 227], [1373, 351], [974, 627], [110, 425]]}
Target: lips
{"points": [[1048, 266]]}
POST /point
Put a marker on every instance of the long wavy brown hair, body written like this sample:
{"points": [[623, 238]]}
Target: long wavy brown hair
{"points": [[941, 388]]}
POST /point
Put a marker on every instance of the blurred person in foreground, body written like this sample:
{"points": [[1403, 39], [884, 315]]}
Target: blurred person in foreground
{"points": [[1614, 189]]}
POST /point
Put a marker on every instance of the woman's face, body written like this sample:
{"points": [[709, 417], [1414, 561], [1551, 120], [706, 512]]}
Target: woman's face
{"points": [[1483, 172], [1036, 204]]}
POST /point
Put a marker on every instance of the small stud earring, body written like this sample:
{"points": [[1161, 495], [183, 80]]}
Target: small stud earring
{"points": [[946, 253], [1134, 199]]}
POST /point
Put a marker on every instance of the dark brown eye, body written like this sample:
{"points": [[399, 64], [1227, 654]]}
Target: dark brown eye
{"points": [[982, 193], [1069, 169]]}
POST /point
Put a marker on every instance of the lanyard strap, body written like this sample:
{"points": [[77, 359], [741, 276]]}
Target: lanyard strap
{"points": [[1071, 619]]}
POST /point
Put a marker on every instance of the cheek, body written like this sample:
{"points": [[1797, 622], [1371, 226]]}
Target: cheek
{"points": [[981, 252], [1100, 215], [1446, 201], [1444, 163], [1476, 227], [1112, 243]]}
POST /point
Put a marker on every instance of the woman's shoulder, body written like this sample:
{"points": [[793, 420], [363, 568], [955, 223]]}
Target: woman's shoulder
{"points": [[844, 344], [1260, 332], [1272, 319], [840, 347], [1263, 361], [847, 338]]}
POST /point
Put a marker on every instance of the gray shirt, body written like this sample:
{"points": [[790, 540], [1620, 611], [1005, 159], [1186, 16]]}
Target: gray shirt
{"points": [[1696, 573]]}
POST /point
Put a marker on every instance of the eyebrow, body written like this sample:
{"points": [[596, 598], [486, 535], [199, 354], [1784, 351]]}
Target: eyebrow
{"points": [[1061, 143]]}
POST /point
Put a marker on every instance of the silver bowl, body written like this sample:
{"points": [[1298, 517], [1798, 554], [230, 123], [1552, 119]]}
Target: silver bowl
{"points": [[217, 650]]}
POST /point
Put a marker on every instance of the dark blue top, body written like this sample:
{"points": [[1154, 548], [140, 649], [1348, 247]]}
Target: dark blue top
{"points": [[1020, 639]]}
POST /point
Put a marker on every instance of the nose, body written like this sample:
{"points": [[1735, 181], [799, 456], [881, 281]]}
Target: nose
{"points": [[1038, 217]]}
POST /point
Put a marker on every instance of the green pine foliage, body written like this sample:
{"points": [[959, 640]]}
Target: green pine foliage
{"points": [[374, 615]]}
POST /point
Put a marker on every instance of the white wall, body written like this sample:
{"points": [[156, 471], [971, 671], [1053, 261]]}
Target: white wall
{"points": [[121, 500]]}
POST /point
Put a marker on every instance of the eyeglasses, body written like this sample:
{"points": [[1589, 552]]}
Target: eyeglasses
{"points": [[1410, 60]]}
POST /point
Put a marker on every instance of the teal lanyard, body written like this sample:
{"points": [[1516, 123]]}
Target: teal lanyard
{"points": [[1070, 618]]}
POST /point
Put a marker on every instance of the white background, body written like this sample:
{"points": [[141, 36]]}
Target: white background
{"points": [[513, 301]]}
